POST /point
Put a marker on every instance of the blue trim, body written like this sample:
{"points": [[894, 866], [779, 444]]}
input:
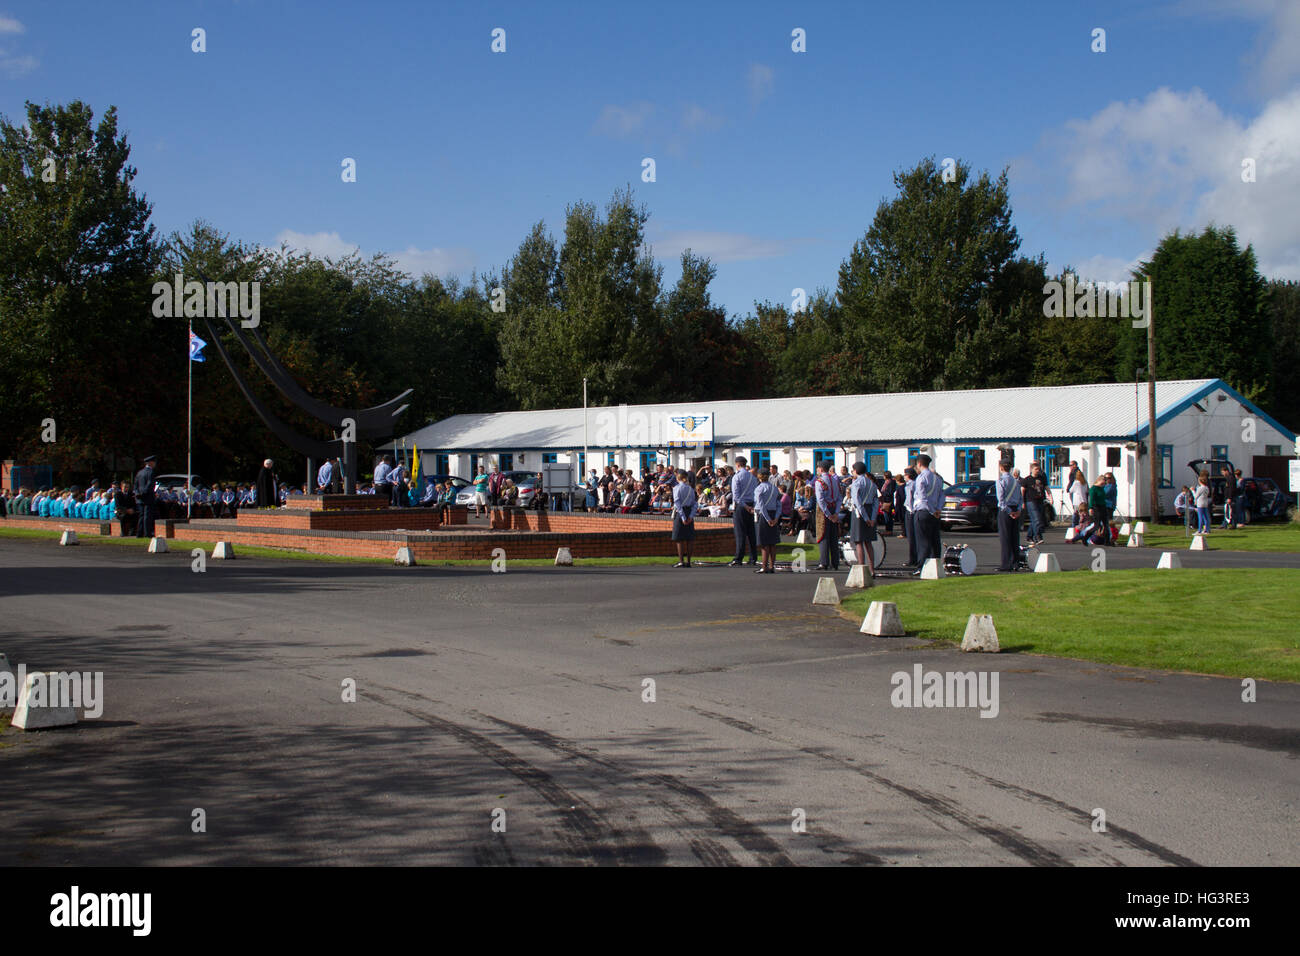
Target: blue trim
{"points": [[1210, 389]]}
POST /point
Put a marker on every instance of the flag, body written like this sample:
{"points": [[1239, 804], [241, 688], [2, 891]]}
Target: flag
{"points": [[415, 472], [196, 348]]}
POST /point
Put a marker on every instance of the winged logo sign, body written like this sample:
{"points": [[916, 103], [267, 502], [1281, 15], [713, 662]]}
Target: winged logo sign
{"points": [[690, 428]]}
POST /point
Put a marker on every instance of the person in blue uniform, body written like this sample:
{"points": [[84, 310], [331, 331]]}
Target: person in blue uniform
{"points": [[864, 504], [145, 500], [1009, 500], [927, 501], [827, 504], [767, 513], [743, 487], [685, 505]]}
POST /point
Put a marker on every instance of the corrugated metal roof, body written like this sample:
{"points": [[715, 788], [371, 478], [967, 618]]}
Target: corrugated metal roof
{"points": [[994, 414]]}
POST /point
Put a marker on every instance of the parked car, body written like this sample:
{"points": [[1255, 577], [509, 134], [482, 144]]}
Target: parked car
{"points": [[970, 504], [177, 481], [525, 481], [1264, 499], [1218, 482], [457, 482]]}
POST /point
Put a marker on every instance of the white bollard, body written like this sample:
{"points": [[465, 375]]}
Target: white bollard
{"points": [[1198, 543], [405, 558], [1168, 561], [858, 577], [157, 545], [67, 538], [981, 635], [882, 620], [564, 558], [826, 592], [803, 537], [1140, 527], [34, 711], [933, 569], [1134, 540], [1126, 529], [1070, 534], [223, 550], [1047, 562]]}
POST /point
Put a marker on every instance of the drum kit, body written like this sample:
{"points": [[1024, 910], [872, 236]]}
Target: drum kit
{"points": [[959, 559]]}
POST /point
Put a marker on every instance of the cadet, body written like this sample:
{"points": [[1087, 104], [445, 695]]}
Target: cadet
{"points": [[767, 512], [145, 498], [864, 499], [684, 508], [742, 514], [927, 501], [828, 517]]}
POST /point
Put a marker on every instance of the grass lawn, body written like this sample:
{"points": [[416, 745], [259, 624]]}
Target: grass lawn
{"points": [[1266, 536], [1237, 622]]}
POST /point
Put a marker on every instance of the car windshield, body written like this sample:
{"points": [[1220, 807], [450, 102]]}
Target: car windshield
{"points": [[966, 488]]}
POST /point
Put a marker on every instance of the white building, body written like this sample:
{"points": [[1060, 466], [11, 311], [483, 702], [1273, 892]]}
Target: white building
{"points": [[1103, 427]]}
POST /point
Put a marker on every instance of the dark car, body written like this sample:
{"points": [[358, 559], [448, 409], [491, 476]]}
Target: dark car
{"points": [[1218, 483], [525, 481], [1263, 499], [970, 504]]}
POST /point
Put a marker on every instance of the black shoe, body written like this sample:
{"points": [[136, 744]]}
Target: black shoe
{"points": [[680, 564], [751, 562], [761, 571], [916, 574], [820, 567], [733, 564]]}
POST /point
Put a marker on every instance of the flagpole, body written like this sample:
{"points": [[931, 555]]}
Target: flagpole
{"points": [[189, 423]]}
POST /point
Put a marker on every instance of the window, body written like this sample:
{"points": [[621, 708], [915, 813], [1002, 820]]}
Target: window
{"points": [[912, 452], [1166, 455], [760, 458], [582, 465], [824, 455], [609, 458], [648, 461], [1046, 456], [876, 460], [1273, 450], [473, 466], [442, 464], [969, 461], [549, 458], [506, 460], [1219, 452]]}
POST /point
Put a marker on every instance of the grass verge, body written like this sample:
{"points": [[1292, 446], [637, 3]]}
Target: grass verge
{"points": [[1235, 622], [1271, 536]]}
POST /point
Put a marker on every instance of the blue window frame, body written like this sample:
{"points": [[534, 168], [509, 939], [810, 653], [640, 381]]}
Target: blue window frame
{"points": [[824, 455], [1045, 455], [966, 468], [648, 461], [609, 458], [506, 460], [760, 458], [550, 458], [1219, 452], [473, 466], [876, 460], [442, 464], [1166, 455], [912, 452], [582, 466]]}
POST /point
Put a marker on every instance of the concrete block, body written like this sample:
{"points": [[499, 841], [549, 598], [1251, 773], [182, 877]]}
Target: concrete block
{"points": [[932, 570], [882, 620], [826, 592], [1070, 534], [1168, 561], [1134, 540], [563, 558], [981, 635], [67, 538], [223, 551], [858, 577], [1140, 527], [37, 714], [803, 537], [157, 545], [405, 557], [1198, 543], [1126, 529], [1047, 562]]}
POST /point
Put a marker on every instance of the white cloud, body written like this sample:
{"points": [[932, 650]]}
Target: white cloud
{"points": [[436, 261], [1174, 160], [721, 246], [10, 25], [623, 121], [1102, 268], [1273, 61], [696, 117], [11, 62], [759, 79]]}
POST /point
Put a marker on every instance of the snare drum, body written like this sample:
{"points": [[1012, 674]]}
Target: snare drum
{"points": [[959, 560]]}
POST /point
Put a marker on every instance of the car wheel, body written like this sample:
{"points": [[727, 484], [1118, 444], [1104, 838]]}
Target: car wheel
{"points": [[1247, 516]]}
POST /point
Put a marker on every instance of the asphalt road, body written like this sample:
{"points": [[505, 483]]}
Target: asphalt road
{"points": [[523, 692]]}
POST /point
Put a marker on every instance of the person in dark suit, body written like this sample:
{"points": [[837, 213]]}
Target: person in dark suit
{"points": [[266, 486], [1010, 497], [145, 499], [124, 502]]}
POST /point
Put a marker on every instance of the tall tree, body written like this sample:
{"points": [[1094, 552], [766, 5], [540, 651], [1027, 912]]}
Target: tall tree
{"points": [[76, 252], [1283, 401]]}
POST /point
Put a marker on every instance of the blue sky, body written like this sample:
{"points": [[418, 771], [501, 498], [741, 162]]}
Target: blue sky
{"points": [[769, 161]]}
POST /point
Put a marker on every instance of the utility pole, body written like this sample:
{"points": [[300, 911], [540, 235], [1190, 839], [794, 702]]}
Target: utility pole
{"points": [[1151, 400]]}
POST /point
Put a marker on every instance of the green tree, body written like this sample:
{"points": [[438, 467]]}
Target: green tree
{"points": [[1283, 401], [76, 253]]}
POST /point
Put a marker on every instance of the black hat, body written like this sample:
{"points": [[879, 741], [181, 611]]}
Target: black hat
{"points": [[148, 458]]}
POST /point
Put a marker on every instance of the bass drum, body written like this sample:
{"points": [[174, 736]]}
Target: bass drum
{"points": [[959, 560], [850, 556]]}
